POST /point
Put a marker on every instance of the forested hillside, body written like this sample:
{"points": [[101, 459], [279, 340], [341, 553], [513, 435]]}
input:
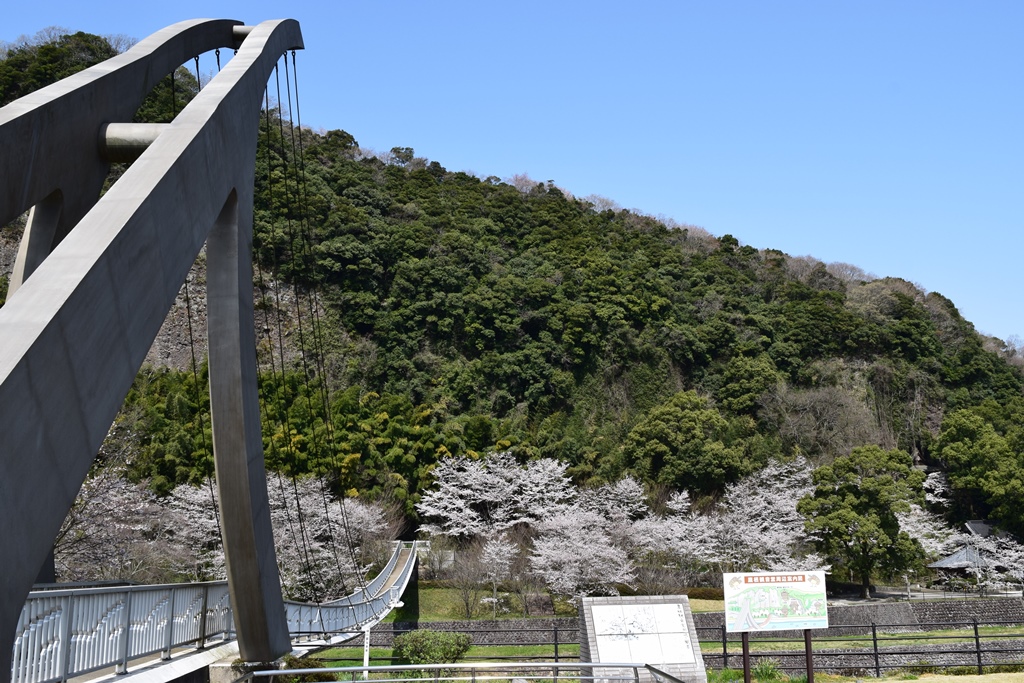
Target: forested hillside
{"points": [[476, 315], [465, 315]]}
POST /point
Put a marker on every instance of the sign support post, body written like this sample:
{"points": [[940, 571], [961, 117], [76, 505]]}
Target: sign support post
{"points": [[809, 654], [745, 637]]}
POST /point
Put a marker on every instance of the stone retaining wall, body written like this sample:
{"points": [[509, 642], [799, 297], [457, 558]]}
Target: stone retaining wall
{"points": [[986, 611], [858, 663], [500, 632], [895, 617]]}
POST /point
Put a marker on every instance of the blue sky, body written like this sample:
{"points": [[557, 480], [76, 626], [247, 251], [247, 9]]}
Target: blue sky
{"points": [[889, 135]]}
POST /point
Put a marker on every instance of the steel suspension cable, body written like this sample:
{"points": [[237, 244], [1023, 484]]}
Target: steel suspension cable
{"points": [[263, 384], [298, 165], [288, 221], [318, 340]]}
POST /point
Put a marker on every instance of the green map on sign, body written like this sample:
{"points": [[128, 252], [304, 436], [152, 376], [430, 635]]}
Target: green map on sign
{"points": [[769, 605]]}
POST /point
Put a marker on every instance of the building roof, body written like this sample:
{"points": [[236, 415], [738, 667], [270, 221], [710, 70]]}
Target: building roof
{"points": [[966, 557], [979, 527]]}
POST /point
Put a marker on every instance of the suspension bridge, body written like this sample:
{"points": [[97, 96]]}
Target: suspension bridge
{"points": [[93, 281]]}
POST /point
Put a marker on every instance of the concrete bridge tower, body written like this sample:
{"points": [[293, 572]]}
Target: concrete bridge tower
{"points": [[95, 278]]}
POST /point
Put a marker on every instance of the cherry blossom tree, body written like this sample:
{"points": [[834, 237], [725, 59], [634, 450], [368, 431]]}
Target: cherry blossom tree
{"points": [[118, 530], [115, 531], [930, 530], [492, 494], [754, 526], [760, 527], [674, 549], [497, 556], [194, 524], [575, 555], [467, 575]]}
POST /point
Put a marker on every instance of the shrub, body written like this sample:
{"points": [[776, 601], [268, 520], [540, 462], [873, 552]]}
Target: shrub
{"points": [[1004, 668], [293, 662], [766, 670], [287, 662], [705, 593], [430, 647], [724, 676], [960, 671]]}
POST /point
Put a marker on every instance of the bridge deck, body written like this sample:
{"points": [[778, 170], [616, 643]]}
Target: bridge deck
{"points": [[66, 633]]}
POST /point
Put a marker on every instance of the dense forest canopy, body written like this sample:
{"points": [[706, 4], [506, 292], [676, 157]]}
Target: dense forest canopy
{"points": [[462, 316]]}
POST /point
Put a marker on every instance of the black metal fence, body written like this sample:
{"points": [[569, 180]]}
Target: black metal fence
{"points": [[870, 649], [555, 638], [866, 649]]}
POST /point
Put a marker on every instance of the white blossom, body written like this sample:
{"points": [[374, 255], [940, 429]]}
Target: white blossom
{"points": [[122, 531], [492, 494], [928, 529], [575, 555]]}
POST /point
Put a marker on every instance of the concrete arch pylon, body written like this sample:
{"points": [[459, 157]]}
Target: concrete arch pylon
{"points": [[95, 279]]}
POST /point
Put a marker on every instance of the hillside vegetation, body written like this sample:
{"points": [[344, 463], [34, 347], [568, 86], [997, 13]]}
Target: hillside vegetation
{"points": [[465, 315], [475, 315]]}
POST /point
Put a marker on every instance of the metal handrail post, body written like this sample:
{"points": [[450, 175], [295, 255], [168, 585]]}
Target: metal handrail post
{"points": [[165, 654], [874, 643], [202, 618], [126, 634], [65, 635]]}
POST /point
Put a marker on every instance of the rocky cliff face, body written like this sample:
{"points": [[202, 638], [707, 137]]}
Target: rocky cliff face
{"points": [[173, 346]]}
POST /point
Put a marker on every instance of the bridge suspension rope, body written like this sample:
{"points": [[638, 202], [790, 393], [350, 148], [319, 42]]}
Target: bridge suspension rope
{"points": [[310, 343], [280, 380], [318, 347]]}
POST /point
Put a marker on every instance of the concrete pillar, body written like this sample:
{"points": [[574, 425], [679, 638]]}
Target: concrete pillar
{"points": [[94, 292], [237, 439]]}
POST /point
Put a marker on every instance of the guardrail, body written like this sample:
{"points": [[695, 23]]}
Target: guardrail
{"points": [[65, 633], [555, 637], [69, 632], [349, 615], [861, 649], [374, 586]]}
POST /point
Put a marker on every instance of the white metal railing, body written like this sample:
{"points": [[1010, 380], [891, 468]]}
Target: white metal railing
{"points": [[65, 633], [545, 672], [70, 632], [363, 608]]}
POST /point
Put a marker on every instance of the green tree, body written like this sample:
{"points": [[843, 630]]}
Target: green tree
{"points": [[685, 443], [745, 381], [984, 468], [48, 59], [853, 509]]}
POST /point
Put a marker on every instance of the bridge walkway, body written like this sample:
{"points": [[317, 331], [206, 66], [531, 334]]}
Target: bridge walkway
{"points": [[70, 633]]}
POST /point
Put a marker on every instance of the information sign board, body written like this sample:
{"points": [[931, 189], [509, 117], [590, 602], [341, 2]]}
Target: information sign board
{"points": [[653, 634], [775, 601], [642, 629]]}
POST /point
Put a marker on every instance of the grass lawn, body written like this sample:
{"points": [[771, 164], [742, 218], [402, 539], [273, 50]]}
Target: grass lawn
{"points": [[432, 603], [381, 656], [1017, 677], [706, 605]]}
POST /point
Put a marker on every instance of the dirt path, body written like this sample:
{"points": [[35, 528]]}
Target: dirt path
{"points": [[1017, 677]]}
